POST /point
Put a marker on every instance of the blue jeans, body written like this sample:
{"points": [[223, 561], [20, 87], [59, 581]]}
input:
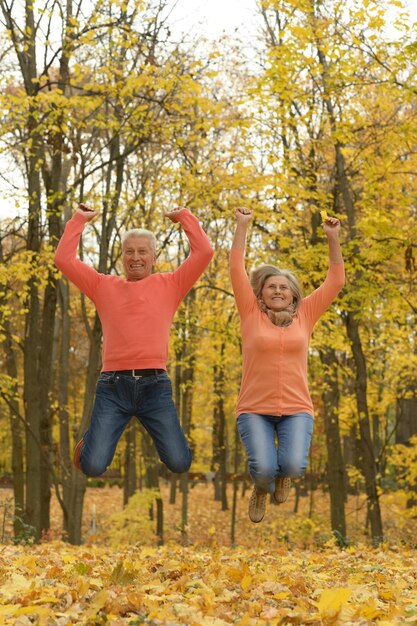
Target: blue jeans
{"points": [[118, 399], [266, 459]]}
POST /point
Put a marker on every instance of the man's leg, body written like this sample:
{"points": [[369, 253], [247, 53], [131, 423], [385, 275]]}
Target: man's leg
{"points": [[111, 413], [157, 413]]}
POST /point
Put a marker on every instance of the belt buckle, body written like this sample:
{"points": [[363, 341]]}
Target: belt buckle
{"points": [[135, 376]]}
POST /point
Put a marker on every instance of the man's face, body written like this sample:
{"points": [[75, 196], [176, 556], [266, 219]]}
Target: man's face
{"points": [[138, 257]]}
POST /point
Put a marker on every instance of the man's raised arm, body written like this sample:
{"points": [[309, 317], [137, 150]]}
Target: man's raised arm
{"points": [[201, 250], [82, 275]]}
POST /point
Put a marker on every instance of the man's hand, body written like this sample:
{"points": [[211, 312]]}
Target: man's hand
{"points": [[173, 215], [88, 213], [331, 227], [243, 215]]}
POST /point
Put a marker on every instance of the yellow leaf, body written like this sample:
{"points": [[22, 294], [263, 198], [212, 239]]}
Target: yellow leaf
{"points": [[332, 600], [246, 582], [97, 603], [16, 584], [42, 613], [83, 586], [8, 609], [27, 561]]}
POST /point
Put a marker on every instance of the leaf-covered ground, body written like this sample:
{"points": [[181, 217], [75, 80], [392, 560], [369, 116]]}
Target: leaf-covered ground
{"points": [[286, 570], [54, 583]]}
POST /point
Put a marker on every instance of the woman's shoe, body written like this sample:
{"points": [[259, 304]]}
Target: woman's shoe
{"points": [[257, 505], [282, 488]]}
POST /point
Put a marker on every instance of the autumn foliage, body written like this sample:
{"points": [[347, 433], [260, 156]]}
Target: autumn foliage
{"points": [[100, 103], [288, 570]]}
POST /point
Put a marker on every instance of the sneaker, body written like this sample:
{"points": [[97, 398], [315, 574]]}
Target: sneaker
{"points": [[77, 454], [257, 505], [282, 488]]}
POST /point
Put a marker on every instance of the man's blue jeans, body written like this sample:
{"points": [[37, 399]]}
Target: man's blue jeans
{"points": [[118, 399], [266, 459]]}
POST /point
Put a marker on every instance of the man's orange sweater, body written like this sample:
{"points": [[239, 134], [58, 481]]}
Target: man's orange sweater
{"points": [[136, 316], [274, 377]]}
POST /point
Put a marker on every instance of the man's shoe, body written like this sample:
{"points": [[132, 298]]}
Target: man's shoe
{"points": [[77, 454], [257, 505], [282, 488]]}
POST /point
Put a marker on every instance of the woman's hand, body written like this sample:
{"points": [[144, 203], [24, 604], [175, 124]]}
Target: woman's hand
{"points": [[85, 210], [331, 227], [243, 215]]}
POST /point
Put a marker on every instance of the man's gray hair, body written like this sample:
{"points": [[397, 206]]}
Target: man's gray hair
{"points": [[140, 232]]}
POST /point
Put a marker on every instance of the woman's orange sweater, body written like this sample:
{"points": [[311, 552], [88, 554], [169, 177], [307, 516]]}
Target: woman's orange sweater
{"points": [[274, 377]]}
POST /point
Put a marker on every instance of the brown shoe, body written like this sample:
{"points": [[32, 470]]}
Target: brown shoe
{"points": [[282, 488], [257, 505], [77, 454]]}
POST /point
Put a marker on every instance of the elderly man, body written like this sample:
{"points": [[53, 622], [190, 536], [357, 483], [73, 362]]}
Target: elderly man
{"points": [[136, 313]]}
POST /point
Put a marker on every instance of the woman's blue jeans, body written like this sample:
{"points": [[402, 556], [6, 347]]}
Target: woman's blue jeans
{"points": [[275, 446], [119, 398]]}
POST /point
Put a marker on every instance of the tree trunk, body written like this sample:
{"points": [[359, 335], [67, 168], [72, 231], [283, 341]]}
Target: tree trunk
{"points": [[172, 488], [406, 419], [151, 462], [335, 464], [236, 462], [219, 458], [366, 451], [365, 445], [79, 481], [184, 507], [32, 349], [63, 415], [130, 479], [297, 485], [160, 521], [407, 428], [188, 339], [177, 400], [17, 434]]}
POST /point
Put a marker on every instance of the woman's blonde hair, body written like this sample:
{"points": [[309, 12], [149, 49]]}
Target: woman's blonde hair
{"points": [[259, 275]]}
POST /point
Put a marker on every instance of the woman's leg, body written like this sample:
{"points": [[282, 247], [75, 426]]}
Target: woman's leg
{"points": [[258, 436], [294, 437]]}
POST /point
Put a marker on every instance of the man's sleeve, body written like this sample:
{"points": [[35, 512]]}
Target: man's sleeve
{"points": [[201, 253], [83, 276], [243, 292]]}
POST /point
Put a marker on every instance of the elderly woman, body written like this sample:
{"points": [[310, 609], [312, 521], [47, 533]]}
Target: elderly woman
{"points": [[274, 402]]}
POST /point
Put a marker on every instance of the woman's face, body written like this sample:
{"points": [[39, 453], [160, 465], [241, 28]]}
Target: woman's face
{"points": [[276, 293]]}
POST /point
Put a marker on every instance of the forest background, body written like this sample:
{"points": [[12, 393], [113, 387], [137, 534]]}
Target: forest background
{"points": [[101, 103]]}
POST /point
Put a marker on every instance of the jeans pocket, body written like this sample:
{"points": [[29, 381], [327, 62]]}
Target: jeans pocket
{"points": [[163, 379], [107, 378]]}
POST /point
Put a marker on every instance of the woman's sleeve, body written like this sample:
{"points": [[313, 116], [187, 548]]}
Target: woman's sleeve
{"points": [[319, 301], [243, 292]]}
